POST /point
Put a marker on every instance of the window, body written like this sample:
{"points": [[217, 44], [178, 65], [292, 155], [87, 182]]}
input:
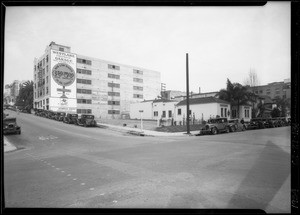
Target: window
{"points": [[113, 102], [84, 81], [84, 71], [247, 113], [170, 113], [140, 96], [47, 69], [225, 112], [113, 76], [113, 112], [260, 91], [84, 61], [138, 88], [46, 90], [221, 112], [61, 49], [84, 111], [179, 111], [113, 93], [138, 80], [113, 85], [136, 71], [155, 113], [110, 66], [46, 79], [84, 101], [84, 91], [47, 58], [163, 113], [277, 91], [47, 101]]}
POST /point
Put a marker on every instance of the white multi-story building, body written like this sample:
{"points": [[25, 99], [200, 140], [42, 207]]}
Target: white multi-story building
{"points": [[69, 82]]}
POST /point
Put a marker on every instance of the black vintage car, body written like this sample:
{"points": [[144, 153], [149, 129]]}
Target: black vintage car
{"points": [[10, 126], [86, 120], [59, 116], [256, 123], [236, 125], [215, 126], [71, 118]]}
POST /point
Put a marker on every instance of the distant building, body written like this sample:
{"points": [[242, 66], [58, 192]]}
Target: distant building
{"points": [[276, 89], [196, 95], [69, 82], [172, 94], [153, 109]]}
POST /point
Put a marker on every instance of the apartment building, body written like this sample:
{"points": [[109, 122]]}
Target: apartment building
{"points": [[69, 82]]}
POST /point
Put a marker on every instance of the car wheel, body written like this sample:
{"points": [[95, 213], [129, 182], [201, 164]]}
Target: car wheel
{"points": [[227, 130], [214, 131]]}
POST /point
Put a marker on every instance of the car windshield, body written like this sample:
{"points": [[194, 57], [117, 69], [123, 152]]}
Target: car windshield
{"points": [[11, 120], [89, 117]]}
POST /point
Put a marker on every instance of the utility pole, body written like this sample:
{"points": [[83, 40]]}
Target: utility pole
{"points": [[187, 96]]}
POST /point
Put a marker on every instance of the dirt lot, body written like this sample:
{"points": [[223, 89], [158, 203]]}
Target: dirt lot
{"points": [[148, 125]]}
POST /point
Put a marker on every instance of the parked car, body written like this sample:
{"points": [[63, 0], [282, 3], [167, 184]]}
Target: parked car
{"points": [[256, 123], [59, 116], [50, 114], [10, 126], [86, 120], [215, 126], [71, 118], [236, 125]]}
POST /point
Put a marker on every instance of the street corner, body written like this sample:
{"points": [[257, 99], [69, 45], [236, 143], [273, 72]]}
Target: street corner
{"points": [[8, 147]]}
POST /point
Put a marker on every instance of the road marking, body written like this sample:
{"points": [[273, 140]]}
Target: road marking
{"points": [[92, 188], [69, 175], [102, 194], [115, 201], [53, 166], [62, 171], [58, 168], [74, 179], [82, 184]]}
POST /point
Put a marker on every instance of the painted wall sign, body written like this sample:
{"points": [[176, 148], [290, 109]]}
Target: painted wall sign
{"points": [[63, 74]]}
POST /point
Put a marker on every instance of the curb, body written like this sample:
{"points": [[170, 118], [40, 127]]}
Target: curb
{"points": [[8, 147]]}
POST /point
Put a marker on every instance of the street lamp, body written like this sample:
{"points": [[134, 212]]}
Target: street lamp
{"points": [[141, 115]]}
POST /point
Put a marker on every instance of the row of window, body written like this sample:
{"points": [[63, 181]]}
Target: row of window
{"points": [[268, 91], [84, 111], [84, 71], [84, 101], [84, 61], [114, 85], [113, 67], [84, 91], [155, 113], [84, 81]]}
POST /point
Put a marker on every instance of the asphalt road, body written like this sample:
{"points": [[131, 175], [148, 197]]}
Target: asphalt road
{"points": [[66, 166]]}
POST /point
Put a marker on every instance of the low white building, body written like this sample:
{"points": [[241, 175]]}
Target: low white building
{"points": [[153, 109], [244, 112], [202, 109]]}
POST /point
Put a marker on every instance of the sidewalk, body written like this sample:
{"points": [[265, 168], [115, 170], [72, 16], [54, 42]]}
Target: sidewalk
{"points": [[139, 132], [7, 145]]}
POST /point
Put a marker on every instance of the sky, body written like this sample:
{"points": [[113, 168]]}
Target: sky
{"points": [[222, 42]]}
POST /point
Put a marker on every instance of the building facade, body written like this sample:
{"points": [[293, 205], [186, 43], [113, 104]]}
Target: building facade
{"points": [[69, 82], [276, 89], [153, 109], [202, 109]]}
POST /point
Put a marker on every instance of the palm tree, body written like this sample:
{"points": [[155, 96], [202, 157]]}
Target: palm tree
{"points": [[237, 95], [25, 97]]}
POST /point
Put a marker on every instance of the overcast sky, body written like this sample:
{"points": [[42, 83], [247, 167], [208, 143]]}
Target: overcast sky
{"points": [[222, 42]]}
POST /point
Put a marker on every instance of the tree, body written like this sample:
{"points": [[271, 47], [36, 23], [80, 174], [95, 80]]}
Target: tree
{"points": [[236, 94], [252, 79], [25, 97], [275, 112], [282, 104]]}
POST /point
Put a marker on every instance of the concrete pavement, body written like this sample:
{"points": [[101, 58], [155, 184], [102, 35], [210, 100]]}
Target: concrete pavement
{"points": [[7, 145], [140, 132]]}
